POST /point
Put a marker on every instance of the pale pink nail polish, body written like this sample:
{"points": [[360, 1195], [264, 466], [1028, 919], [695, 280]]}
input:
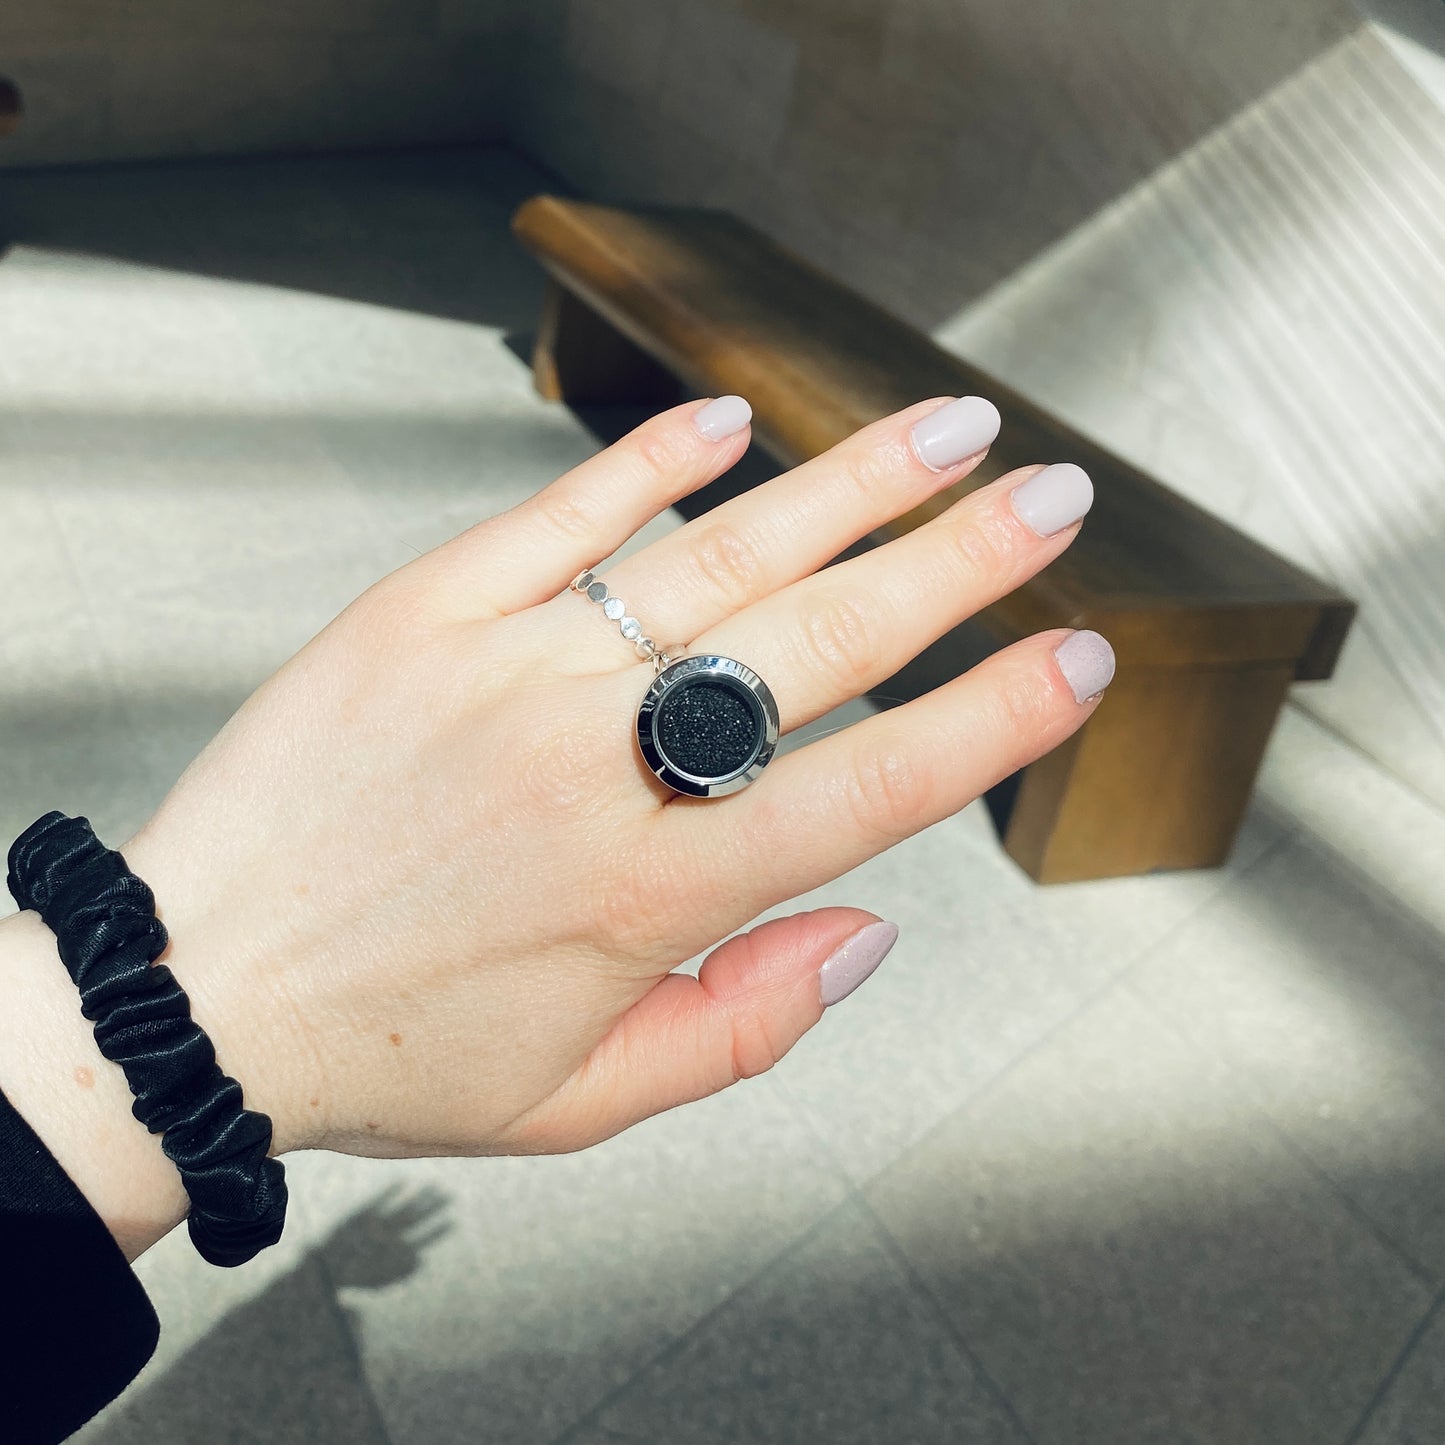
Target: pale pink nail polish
{"points": [[1087, 662], [956, 431], [722, 418], [854, 960], [1054, 498]]}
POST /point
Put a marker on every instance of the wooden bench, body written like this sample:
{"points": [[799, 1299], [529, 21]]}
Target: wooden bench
{"points": [[1210, 628]]}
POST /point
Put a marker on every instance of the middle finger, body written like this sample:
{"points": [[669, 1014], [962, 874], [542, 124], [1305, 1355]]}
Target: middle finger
{"points": [[752, 545]]}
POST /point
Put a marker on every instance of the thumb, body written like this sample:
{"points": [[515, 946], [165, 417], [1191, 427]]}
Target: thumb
{"points": [[755, 996]]}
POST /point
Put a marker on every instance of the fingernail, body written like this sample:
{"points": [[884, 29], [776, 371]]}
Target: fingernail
{"points": [[724, 417], [854, 960], [1054, 498], [956, 431], [1087, 662]]}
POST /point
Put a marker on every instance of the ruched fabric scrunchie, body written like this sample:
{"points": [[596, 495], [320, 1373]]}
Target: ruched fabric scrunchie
{"points": [[105, 924]]}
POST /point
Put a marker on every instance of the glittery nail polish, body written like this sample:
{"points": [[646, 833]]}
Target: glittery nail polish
{"points": [[854, 960]]}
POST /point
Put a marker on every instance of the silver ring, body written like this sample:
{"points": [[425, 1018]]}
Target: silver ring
{"points": [[708, 725]]}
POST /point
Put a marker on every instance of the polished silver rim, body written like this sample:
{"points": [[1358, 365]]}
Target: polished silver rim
{"points": [[738, 679]]}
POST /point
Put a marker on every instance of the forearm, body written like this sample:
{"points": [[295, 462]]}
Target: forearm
{"points": [[76, 1100]]}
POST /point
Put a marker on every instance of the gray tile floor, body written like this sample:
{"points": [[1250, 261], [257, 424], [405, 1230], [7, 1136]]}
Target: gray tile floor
{"points": [[1153, 1160]]}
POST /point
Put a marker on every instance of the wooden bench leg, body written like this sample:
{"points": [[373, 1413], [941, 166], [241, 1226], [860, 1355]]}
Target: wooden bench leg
{"points": [[1158, 778], [584, 360], [12, 108]]}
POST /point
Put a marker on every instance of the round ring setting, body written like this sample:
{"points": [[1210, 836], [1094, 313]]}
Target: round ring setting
{"points": [[707, 726]]}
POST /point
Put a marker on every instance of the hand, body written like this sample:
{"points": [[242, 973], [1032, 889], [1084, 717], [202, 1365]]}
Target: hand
{"points": [[424, 894]]}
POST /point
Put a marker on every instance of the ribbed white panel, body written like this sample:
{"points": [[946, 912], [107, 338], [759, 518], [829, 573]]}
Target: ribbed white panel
{"points": [[1281, 284]]}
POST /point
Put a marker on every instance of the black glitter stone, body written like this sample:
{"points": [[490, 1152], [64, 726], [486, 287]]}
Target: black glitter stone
{"points": [[708, 729]]}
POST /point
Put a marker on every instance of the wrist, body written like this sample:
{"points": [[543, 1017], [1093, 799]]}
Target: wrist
{"points": [[74, 1098], [79, 1103], [232, 971]]}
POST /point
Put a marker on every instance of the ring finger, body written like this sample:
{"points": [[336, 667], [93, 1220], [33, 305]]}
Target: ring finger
{"points": [[834, 635], [825, 808]]}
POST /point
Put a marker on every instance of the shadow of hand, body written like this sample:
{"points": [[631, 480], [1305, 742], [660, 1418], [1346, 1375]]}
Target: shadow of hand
{"points": [[383, 1241]]}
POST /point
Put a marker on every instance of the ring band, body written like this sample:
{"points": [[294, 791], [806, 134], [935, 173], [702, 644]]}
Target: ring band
{"points": [[707, 725]]}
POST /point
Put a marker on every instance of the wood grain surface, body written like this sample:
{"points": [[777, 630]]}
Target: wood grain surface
{"points": [[1209, 626]]}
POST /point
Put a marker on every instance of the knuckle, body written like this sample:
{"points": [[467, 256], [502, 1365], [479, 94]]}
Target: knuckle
{"points": [[624, 914], [661, 452], [841, 639], [868, 469], [1022, 710], [980, 548], [887, 791], [398, 611], [753, 1049], [636, 900], [557, 775], [728, 565], [576, 514]]}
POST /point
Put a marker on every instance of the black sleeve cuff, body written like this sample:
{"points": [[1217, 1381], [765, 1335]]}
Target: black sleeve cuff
{"points": [[79, 1323]]}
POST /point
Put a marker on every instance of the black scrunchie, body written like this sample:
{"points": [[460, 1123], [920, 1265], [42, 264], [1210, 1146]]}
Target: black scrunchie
{"points": [[104, 921]]}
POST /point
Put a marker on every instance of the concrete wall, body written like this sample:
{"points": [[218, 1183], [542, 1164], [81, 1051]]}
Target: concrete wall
{"points": [[1211, 235], [106, 80]]}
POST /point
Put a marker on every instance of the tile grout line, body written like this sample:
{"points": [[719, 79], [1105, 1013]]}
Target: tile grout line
{"points": [[1405, 1258], [1111, 983], [1117, 981], [675, 1345], [353, 1350], [960, 1340], [130, 730], [1307, 836], [1124, 981], [79, 576], [1383, 770], [1394, 1372], [1387, 773], [1418, 1271], [1304, 836]]}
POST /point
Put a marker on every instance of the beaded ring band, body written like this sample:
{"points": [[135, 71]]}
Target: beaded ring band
{"points": [[708, 725]]}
